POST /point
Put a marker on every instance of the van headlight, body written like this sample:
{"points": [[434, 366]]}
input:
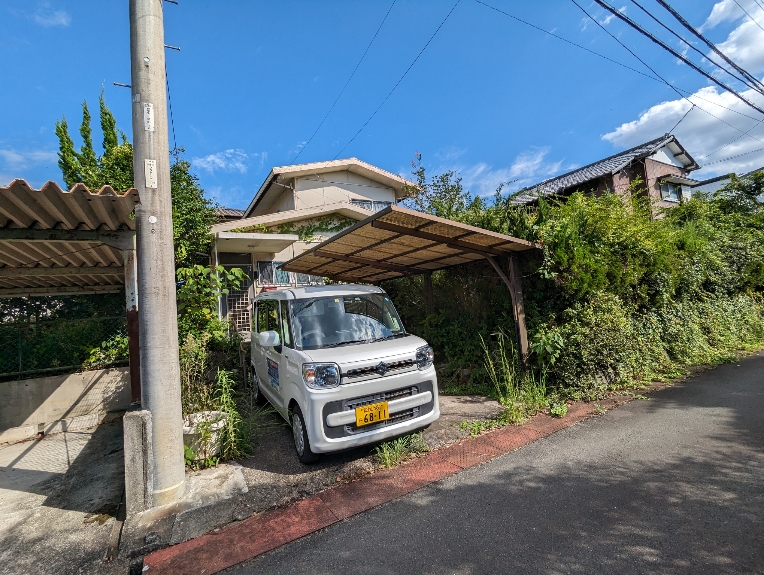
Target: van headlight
{"points": [[321, 375], [424, 357]]}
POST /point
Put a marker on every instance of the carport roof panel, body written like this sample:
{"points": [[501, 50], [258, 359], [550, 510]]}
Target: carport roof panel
{"points": [[50, 207], [58, 241], [396, 242]]}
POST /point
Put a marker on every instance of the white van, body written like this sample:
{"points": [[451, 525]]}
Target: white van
{"points": [[337, 364]]}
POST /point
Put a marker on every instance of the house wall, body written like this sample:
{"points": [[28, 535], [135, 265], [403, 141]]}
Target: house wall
{"points": [[654, 170], [333, 187]]}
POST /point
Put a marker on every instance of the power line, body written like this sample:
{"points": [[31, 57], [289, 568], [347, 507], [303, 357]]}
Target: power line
{"points": [[169, 101], [755, 85], [345, 86], [708, 43], [656, 73], [676, 54], [687, 113], [399, 80], [747, 14], [733, 141], [662, 81], [734, 157]]}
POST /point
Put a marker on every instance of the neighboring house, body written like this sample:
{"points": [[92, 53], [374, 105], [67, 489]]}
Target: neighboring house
{"points": [[714, 184], [662, 164], [229, 214], [295, 208]]}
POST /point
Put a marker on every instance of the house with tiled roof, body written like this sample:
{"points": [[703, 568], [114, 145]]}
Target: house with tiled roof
{"points": [[663, 164]]}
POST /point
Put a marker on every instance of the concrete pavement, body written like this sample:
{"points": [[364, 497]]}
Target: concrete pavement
{"points": [[670, 485]]}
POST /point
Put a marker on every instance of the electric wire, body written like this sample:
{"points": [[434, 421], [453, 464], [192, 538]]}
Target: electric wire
{"points": [[345, 86], [749, 16], [399, 80], [657, 74], [613, 61], [687, 113], [733, 140], [169, 101], [734, 157], [755, 85], [708, 42], [676, 54]]}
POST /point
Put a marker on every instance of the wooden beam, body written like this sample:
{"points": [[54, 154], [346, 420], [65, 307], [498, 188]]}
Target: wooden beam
{"points": [[56, 291], [122, 240], [371, 263], [450, 242], [518, 310], [15, 272]]}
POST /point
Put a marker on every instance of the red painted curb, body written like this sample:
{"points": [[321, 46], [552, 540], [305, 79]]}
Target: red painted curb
{"points": [[241, 541]]}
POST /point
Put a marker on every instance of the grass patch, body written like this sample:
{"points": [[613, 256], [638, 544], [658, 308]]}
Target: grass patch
{"points": [[391, 453]]}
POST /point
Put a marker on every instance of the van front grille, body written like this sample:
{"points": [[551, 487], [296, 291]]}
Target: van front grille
{"points": [[393, 366], [350, 404]]}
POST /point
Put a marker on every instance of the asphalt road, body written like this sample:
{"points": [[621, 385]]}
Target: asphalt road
{"points": [[674, 484]]}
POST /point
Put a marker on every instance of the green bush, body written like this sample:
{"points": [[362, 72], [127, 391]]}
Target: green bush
{"points": [[622, 291]]}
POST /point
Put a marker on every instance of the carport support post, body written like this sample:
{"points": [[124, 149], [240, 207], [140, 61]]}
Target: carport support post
{"points": [[158, 315], [131, 304], [516, 293]]}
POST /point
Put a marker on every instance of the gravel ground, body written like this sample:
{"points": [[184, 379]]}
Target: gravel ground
{"points": [[275, 476]]}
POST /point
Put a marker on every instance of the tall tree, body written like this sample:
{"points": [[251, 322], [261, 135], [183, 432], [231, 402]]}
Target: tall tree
{"points": [[193, 214]]}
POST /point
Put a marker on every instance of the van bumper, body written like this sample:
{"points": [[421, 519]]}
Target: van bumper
{"points": [[331, 425]]}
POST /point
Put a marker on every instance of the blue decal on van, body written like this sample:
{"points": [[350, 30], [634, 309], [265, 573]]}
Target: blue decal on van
{"points": [[273, 373]]}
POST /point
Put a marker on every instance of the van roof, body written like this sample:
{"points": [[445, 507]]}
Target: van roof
{"points": [[319, 291]]}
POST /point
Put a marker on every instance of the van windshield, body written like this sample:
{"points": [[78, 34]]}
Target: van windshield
{"points": [[344, 320]]}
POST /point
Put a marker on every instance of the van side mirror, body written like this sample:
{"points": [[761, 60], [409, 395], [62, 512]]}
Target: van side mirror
{"points": [[268, 338]]}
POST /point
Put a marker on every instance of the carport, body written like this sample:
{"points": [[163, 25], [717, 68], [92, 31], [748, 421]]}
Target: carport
{"points": [[397, 242], [57, 242]]}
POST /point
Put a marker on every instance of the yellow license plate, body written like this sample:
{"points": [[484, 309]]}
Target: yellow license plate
{"points": [[368, 414]]}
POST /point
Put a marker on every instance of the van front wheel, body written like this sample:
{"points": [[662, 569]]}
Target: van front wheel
{"points": [[300, 435]]}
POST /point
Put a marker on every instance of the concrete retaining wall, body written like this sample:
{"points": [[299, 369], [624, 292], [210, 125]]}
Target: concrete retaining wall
{"points": [[61, 403]]}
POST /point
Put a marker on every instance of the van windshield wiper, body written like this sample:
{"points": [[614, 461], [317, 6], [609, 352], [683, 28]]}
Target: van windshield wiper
{"points": [[339, 343], [393, 336]]}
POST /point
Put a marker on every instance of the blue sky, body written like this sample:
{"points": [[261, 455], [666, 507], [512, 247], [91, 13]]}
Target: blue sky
{"points": [[494, 99]]}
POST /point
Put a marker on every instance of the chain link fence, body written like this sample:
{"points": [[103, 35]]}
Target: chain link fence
{"points": [[40, 348]]}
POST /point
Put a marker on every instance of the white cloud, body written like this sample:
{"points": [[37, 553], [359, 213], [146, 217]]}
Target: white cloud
{"points": [[15, 160], [46, 16], [710, 140], [723, 11], [706, 138], [233, 160], [527, 168]]}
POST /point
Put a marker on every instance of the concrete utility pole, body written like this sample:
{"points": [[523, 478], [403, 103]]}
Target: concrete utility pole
{"points": [[160, 373]]}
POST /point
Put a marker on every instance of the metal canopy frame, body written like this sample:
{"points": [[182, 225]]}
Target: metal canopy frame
{"points": [[58, 242], [397, 242]]}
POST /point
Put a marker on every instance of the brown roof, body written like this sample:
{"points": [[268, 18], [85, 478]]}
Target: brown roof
{"points": [[395, 242]]}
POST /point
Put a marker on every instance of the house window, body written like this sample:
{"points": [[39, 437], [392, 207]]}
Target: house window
{"points": [[306, 279], [268, 274], [370, 205], [670, 191]]}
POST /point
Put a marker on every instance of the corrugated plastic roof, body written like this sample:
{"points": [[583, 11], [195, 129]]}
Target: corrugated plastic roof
{"points": [[32, 222], [395, 242]]}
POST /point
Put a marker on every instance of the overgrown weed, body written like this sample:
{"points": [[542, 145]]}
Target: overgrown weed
{"points": [[393, 452]]}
